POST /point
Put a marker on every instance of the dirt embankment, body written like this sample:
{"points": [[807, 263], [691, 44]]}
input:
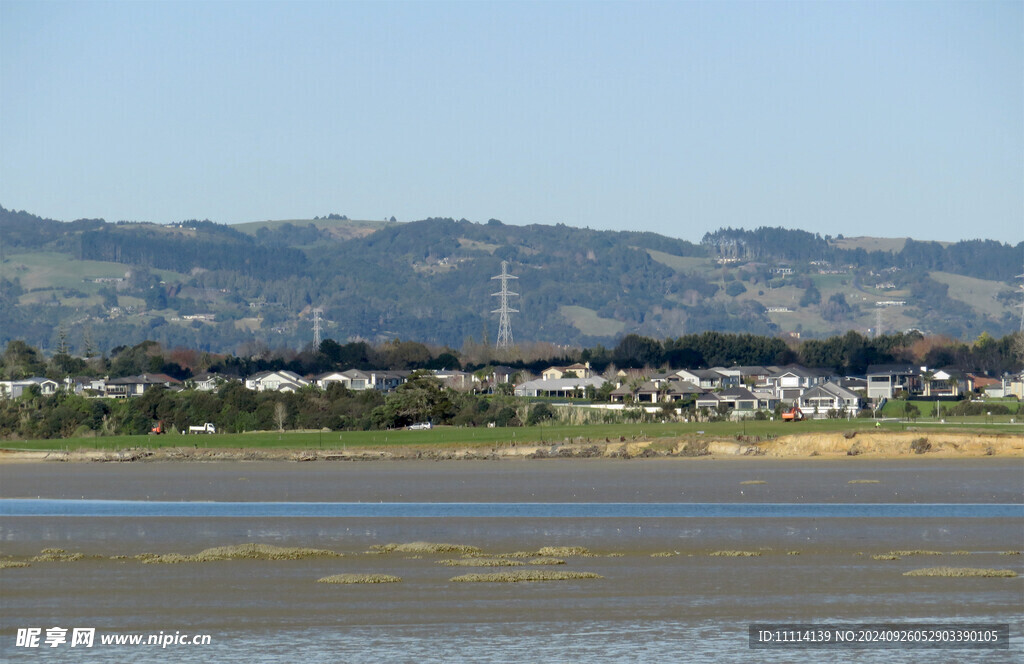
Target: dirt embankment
{"points": [[866, 444], [892, 444]]}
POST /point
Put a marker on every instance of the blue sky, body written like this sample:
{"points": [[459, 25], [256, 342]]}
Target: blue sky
{"points": [[868, 118]]}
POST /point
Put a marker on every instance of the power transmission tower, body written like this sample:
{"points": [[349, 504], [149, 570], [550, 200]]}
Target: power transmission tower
{"points": [[504, 324], [316, 327], [1021, 305]]}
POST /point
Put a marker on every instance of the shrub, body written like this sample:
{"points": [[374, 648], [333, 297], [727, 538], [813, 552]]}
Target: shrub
{"points": [[920, 445]]}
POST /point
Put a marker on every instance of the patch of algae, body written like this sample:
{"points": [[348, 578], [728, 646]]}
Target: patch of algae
{"points": [[480, 562], [520, 576], [425, 548], [547, 560], [564, 551], [56, 556], [360, 578], [248, 551], [735, 554], [961, 572]]}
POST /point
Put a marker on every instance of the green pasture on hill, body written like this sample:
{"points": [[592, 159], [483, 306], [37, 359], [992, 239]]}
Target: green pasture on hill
{"points": [[445, 436]]}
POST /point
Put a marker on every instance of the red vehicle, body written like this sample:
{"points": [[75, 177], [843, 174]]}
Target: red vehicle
{"points": [[158, 429], [794, 414]]}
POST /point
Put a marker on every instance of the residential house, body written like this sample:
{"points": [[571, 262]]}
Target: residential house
{"points": [[858, 385], [766, 400], [457, 380], [708, 379], [13, 389], [387, 381], [947, 383], [788, 383], [831, 396], [358, 380], [575, 370], [206, 381], [134, 386], [558, 387], [752, 375], [1013, 385], [885, 380], [500, 374], [741, 401], [275, 381], [984, 385], [656, 391], [325, 380]]}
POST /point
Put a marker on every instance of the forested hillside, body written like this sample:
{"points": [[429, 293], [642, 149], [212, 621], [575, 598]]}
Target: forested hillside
{"points": [[88, 285]]}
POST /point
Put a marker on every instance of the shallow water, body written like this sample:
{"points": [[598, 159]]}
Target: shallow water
{"points": [[28, 507], [687, 607]]}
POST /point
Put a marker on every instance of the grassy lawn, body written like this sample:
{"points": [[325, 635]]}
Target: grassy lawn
{"points": [[485, 437], [894, 408]]}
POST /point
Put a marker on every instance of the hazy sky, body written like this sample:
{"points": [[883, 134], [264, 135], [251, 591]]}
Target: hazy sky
{"points": [[866, 118]]}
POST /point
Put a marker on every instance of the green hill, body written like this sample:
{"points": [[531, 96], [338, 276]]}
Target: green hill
{"points": [[216, 287]]}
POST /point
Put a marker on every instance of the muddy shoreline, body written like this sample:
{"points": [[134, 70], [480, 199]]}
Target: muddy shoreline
{"points": [[831, 445], [666, 586]]}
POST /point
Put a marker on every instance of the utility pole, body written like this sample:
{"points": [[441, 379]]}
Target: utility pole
{"points": [[504, 324]]}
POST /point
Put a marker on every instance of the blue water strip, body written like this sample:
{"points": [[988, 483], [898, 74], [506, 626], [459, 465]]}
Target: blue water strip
{"points": [[21, 507]]}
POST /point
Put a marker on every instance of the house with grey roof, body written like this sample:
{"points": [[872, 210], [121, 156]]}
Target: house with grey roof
{"points": [[558, 387], [276, 381], [831, 396]]}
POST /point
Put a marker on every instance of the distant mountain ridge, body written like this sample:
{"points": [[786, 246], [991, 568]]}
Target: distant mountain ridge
{"points": [[214, 287]]}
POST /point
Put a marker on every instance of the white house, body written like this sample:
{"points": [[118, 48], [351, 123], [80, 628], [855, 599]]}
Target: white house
{"points": [[13, 389], [944, 383], [206, 381], [820, 399], [708, 379], [275, 381], [558, 387], [134, 386]]}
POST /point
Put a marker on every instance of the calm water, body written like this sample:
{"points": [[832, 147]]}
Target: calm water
{"points": [[685, 607], [491, 510]]}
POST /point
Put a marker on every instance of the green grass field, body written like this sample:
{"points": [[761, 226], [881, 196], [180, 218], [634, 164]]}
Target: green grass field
{"points": [[682, 263], [54, 270], [892, 244], [979, 294], [344, 227], [486, 437], [587, 321], [927, 408]]}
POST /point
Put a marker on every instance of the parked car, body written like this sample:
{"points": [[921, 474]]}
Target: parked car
{"points": [[422, 425]]}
